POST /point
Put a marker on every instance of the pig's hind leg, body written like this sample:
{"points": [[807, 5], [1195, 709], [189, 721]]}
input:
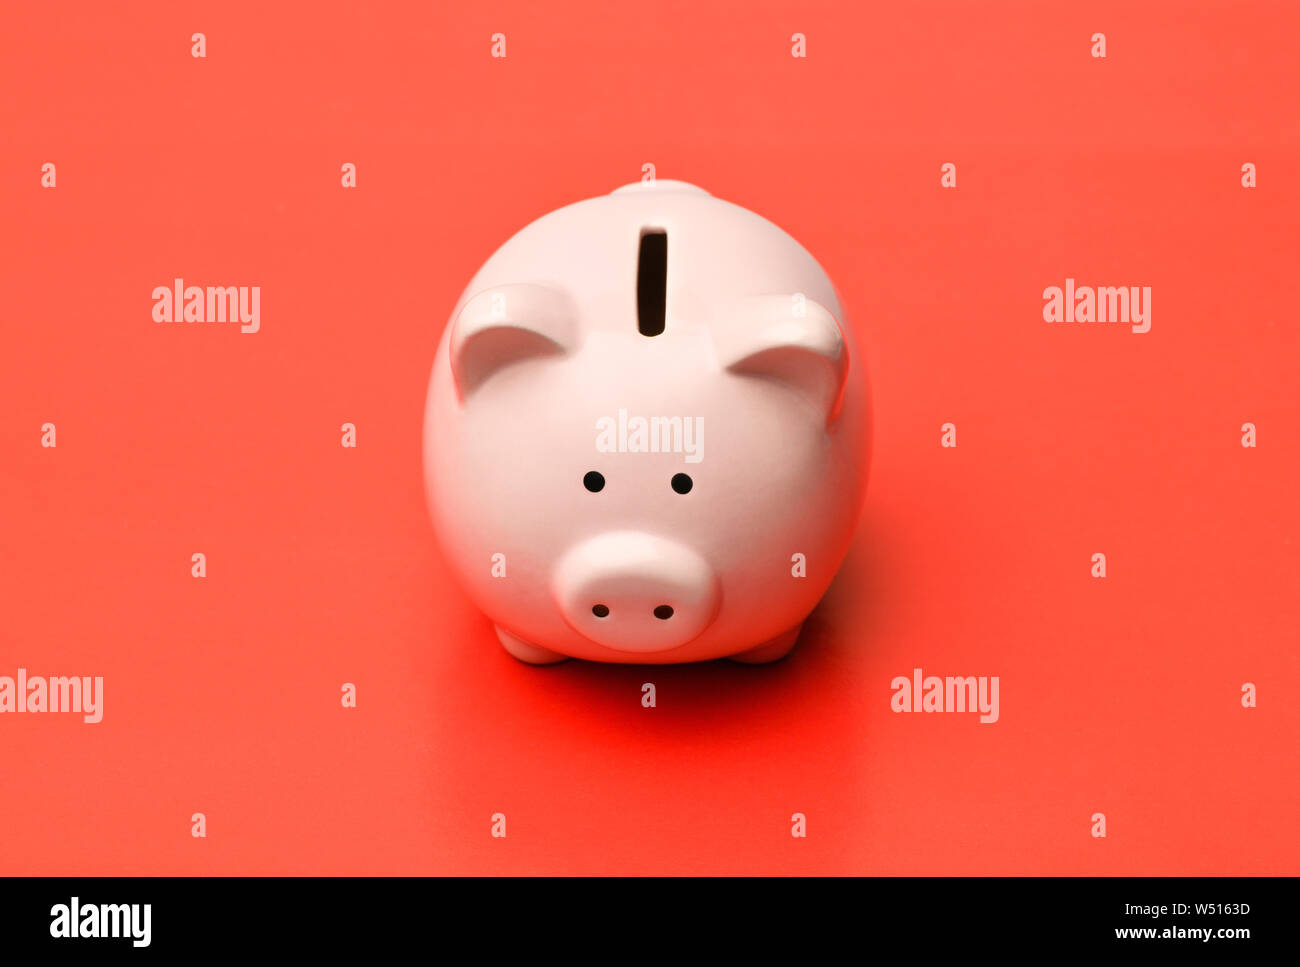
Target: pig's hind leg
{"points": [[770, 651], [527, 652]]}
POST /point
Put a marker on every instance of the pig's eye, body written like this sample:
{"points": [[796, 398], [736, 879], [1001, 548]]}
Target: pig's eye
{"points": [[682, 483], [595, 481]]}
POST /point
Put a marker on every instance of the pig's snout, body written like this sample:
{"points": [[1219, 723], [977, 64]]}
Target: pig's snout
{"points": [[636, 592]]}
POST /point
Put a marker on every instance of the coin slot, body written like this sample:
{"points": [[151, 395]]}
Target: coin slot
{"points": [[652, 282]]}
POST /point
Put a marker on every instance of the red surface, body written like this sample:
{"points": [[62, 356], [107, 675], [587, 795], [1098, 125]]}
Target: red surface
{"points": [[1119, 695]]}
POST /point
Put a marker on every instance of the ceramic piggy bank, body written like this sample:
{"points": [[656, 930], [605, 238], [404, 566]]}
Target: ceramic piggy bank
{"points": [[646, 436]]}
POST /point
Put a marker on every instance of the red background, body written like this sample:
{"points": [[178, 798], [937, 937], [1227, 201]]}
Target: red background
{"points": [[1119, 696]]}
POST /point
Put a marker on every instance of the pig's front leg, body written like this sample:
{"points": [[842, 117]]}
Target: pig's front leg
{"points": [[527, 652], [770, 651]]}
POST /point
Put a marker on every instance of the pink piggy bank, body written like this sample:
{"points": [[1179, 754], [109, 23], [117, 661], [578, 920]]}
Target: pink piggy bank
{"points": [[647, 433]]}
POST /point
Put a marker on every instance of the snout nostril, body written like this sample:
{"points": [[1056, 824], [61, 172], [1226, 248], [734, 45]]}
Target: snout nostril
{"points": [[600, 611], [663, 612]]}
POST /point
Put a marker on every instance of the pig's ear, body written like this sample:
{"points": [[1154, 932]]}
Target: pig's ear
{"points": [[508, 324], [792, 340]]}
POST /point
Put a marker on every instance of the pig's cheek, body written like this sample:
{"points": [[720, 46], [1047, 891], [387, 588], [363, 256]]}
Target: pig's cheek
{"points": [[508, 506], [780, 533]]}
